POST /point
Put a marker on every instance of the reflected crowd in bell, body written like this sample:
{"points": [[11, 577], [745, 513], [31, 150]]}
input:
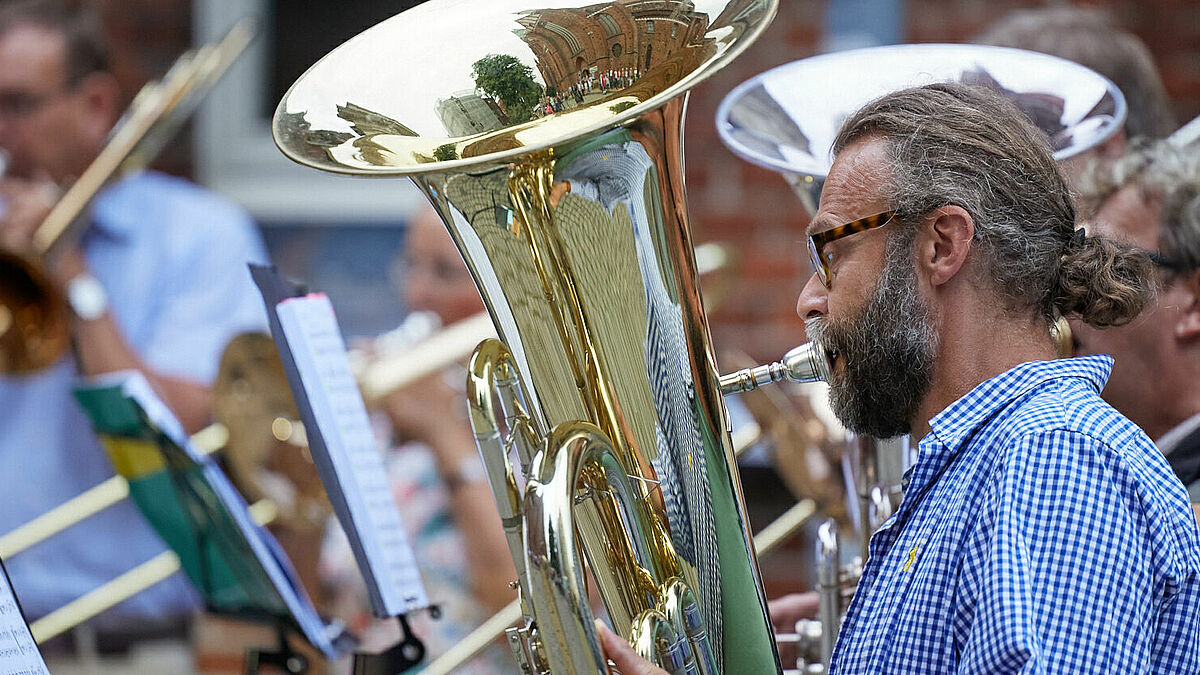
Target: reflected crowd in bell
{"points": [[584, 431]]}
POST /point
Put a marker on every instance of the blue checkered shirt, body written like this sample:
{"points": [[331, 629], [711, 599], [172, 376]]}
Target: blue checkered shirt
{"points": [[1041, 532]]}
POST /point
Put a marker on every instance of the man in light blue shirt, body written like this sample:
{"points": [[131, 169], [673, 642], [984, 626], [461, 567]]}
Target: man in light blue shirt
{"points": [[1041, 531], [158, 283]]}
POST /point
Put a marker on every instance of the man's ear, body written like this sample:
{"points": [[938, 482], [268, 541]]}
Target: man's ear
{"points": [[942, 243], [1187, 328]]}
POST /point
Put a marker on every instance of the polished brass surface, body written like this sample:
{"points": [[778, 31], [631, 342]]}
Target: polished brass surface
{"points": [[775, 120], [34, 319], [367, 108], [267, 451], [572, 220], [765, 542], [392, 369]]}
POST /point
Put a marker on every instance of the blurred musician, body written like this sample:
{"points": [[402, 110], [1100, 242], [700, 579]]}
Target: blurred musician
{"points": [[1041, 531], [436, 474], [1150, 198], [157, 283]]}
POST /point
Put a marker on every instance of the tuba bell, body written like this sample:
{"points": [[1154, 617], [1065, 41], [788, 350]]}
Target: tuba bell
{"points": [[549, 142], [774, 121]]}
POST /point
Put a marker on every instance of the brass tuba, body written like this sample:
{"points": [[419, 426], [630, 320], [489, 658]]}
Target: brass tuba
{"points": [[773, 120], [549, 141]]}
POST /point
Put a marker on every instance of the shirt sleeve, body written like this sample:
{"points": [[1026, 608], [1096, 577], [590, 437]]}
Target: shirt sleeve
{"points": [[1058, 575]]}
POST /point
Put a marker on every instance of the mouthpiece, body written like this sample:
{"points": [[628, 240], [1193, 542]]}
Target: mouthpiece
{"points": [[806, 363]]}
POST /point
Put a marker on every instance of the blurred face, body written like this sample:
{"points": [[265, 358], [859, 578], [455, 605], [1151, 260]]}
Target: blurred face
{"points": [[433, 275], [42, 117], [1145, 346]]}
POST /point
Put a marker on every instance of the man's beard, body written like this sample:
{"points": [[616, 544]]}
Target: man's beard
{"points": [[887, 352]]}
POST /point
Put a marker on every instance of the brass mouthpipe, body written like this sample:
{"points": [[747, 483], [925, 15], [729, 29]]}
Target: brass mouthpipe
{"points": [[807, 363]]}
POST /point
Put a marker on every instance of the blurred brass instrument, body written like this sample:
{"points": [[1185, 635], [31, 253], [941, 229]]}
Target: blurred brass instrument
{"points": [[34, 322], [774, 120], [562, 186], [125, 586]]}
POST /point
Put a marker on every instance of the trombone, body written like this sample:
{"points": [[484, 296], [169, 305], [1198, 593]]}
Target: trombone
{"points": [[34, 321], [87, 504]]}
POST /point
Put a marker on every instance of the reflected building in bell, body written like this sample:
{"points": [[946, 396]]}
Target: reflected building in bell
{"points": [[621, 36], [466, 113]]}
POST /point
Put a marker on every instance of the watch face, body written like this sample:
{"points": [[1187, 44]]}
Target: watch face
{"points": [[87, 297]]}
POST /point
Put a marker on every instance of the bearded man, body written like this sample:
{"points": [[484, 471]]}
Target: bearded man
{"points": [[1040, 530]]}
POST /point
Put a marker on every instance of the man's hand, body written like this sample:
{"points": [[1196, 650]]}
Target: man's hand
{"points": [[785, 612], [789, 609], [622, 655], [26, 204]]}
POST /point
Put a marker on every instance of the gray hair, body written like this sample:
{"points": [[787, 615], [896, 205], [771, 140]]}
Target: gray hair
{"points": [[86, 43], [1089, 37], [967, 146], [1167, 176]]}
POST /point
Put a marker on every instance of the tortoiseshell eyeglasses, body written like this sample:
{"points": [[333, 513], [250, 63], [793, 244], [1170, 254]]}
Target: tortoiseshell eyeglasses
{"points": [[817, 241]]}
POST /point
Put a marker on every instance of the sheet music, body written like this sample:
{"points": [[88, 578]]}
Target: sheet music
{"points": [[358, 486], [19, 654]]}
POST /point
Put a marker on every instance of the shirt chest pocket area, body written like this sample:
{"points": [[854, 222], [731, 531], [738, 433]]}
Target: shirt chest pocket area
{"points": [[917, 576]]}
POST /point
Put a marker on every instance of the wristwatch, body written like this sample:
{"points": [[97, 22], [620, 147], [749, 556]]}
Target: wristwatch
{"points": [[87, 297]]}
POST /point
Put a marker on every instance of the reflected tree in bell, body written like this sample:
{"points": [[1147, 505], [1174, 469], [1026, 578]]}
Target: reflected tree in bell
{"points": [[511, 82]]}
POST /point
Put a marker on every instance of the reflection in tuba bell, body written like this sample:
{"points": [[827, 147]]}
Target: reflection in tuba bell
{"points": [[773, 120], [561, 184]]}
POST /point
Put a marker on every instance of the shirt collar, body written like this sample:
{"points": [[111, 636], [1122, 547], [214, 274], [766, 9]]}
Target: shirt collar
{"points": [[955, 424]]}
